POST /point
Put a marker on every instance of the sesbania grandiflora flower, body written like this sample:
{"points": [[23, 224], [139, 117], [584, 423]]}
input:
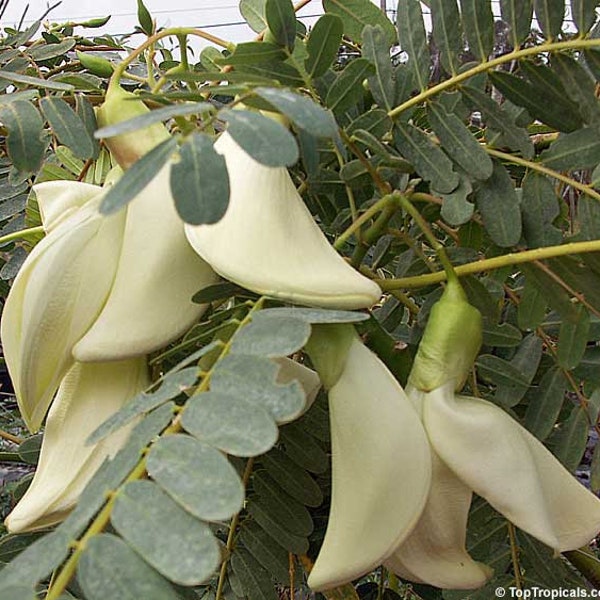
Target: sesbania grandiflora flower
{"points": [[268, 241], [478, 447], [98, 288], [381, 464], [88, 395]]}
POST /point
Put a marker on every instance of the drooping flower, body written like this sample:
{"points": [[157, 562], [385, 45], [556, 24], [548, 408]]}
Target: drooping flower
{"points": [[268, 241], [381, 464], [97, 288], [477, 447], [88, 395]]}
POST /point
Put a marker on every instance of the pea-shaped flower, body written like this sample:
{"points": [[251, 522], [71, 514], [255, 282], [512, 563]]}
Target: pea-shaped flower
{"points": [[477, 447], [268, 241], [88, 395], [381, 464], [97, 288]]}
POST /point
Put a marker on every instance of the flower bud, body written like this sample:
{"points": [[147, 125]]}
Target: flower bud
{"points": [[450, 343]]}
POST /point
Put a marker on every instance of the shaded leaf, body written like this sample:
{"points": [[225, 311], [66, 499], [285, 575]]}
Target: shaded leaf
{"points": [[35, 82], [579, 85], [291, 514], [26, 142], [109, 568], [323, 44], [577, 150], [301, 110], [230, 423], [303, 448], [264, 139], [383, 83], [459, 143], [570, 440], [347, 89], [292, 478], [478, 25], [281, 21], [253, 578], [48, 51], [516, 138], [200, 181], [517, 14], [501, 372], [181, 548], [355, 14], [539, 206], [456, 209], [550, 15], [584, 14], [144, 18], [292, 543], [429, 161], [545, 402], [137, 177], [447, 32], [413, 40], [499, 207], [555, 112], [254, 13], [272, 556], [197, 476], [68, 127], [572, 338]]}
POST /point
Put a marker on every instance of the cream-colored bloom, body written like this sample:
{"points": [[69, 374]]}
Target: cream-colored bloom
{"points": [[87, 396], [268, 241], [381, 470], [97, 288], [435, 551], [502, 462]]}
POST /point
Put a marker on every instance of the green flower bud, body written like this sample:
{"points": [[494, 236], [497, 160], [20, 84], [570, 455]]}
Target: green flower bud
{"points": [[127, 148], [450, 343]]}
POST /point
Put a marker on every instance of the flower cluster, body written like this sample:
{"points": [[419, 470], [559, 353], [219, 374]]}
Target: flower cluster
{"points": [[99, 293], [405, 464]]}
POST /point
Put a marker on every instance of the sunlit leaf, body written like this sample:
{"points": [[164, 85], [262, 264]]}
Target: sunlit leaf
{"points": [[109, 568], [181, 548]]}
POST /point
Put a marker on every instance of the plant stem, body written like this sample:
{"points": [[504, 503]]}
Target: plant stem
{"points": [[585, 562], [491, 64], [10, 437], [138, 472], [435, 244], [489, 264], [23, 233], [360, 221], [514, 553], [534, 166]]}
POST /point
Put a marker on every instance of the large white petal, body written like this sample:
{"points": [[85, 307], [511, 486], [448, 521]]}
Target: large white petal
{"points": [[435, 552], [381, 470], [268, 241], [158, 273], [56, 296], [502, 462], [88, 395], [59, 199]]}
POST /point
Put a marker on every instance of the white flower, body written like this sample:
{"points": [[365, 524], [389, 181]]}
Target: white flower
{"points": [[268, 241], [88, 395], [97, 288], [381, 470]]}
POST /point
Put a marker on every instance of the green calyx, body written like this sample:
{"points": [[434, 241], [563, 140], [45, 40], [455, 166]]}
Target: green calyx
{"points": [[328, 350], [450, 343], [127, 148]]}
